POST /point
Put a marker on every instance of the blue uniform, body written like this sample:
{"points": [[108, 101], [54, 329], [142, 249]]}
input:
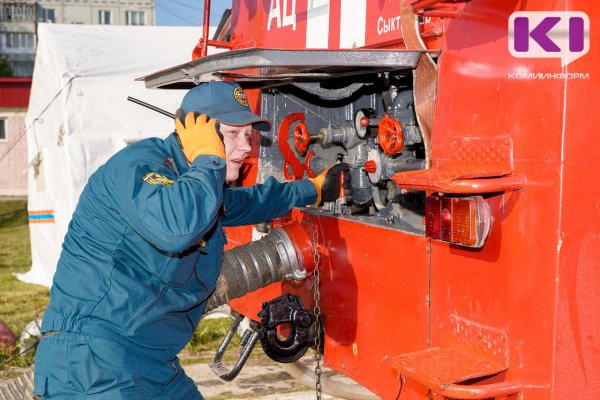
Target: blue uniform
{"points": [[141, 256]]}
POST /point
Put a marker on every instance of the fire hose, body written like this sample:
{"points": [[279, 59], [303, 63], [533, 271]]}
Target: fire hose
{"points": [[284, 254]]}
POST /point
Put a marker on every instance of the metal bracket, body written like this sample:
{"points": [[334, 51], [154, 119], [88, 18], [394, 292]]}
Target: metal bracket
{"points": [[286, 310], [315, 88], [248, 342]]}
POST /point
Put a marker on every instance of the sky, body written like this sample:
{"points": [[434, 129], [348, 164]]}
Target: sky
{"points": [[188, 12]]}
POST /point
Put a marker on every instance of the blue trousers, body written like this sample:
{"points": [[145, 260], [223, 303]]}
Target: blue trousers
{"points": [[70, 365]]}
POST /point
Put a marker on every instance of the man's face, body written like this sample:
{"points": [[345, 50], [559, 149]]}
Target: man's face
{"points": [[237, 148]]}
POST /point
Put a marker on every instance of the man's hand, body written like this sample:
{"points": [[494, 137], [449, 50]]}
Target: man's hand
{"points": [[328, 182], [198, 134]]}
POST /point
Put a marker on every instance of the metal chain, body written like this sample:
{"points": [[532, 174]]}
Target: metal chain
{"points": [[317, 312]]}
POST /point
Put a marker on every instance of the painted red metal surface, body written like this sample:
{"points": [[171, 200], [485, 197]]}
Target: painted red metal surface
{"points": [[438, 367], [476, 165], [387, 292], [438, 9], [14, 92], [479, 157], [477, 351]]}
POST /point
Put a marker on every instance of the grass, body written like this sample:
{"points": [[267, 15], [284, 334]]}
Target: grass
{"points": [[20, 302]]}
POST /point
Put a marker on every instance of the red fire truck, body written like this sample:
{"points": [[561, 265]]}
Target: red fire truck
{"points": [[464, 261]]}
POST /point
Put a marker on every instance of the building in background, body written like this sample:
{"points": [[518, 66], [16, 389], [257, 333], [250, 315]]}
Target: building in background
{"points": [[17, 35], [14, 99], [99, 12], [19, 19]]}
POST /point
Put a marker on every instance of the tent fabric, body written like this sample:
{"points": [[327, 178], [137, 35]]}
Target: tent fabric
{"points": [[79, 116]]}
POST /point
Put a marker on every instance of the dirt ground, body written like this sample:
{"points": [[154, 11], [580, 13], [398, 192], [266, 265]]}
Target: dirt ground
{"points": [[257, 380]]}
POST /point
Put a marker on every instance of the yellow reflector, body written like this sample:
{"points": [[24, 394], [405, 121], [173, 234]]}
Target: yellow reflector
{"points": [[464, 221]]}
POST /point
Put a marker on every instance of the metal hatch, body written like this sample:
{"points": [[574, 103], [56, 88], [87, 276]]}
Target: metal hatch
{"points": [[266, 67]]}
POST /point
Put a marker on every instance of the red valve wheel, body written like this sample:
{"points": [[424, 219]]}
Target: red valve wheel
{"points": [[391, 135], [301, 137], [370, 166]]}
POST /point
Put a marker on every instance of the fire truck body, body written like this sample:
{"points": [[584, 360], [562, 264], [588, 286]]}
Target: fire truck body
{"points": [[415, 303]]}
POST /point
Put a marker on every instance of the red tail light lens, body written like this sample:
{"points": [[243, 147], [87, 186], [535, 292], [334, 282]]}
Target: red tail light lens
{"points": [[461, 220]]}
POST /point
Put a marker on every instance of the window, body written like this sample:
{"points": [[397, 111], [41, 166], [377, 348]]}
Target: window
{"points": [[104, 17], [50, 15], [28, 13], [2, 130], [22, 68], [17, 40], [7, 12], [135, 17], [18, 12]]}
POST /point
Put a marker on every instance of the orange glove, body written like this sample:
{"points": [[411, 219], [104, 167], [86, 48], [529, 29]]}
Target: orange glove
{"points": [[328, 182], [198, 134]]}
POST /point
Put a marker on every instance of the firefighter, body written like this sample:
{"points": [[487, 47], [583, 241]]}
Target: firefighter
{"points": [[144, 248]]}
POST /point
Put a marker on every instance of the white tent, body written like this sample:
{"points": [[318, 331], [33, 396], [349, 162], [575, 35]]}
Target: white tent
{"points": [[78, 116]]}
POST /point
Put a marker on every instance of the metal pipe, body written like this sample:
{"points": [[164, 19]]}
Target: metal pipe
{"points": [[151, 107], [484, 391], [205, 25], [453, 13], [395, 166], [421, 5], [218, 43]]}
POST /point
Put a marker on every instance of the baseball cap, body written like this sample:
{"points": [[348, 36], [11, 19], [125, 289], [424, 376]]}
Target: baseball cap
{"points": [[225, 101]]}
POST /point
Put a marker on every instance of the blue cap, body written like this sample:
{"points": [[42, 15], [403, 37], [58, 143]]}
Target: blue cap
{"points": [[225, 101]]}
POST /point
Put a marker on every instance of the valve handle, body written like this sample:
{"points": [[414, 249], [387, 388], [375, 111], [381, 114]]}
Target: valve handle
{"points": [[301, 137], [289, 157], [391, 135], [309, 171], [286, 172]]}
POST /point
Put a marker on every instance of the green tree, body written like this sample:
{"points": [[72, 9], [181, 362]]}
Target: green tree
{"points": [[5, 69]]}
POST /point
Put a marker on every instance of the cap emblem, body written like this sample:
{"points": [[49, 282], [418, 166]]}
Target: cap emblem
{"points": [[240, 96]]}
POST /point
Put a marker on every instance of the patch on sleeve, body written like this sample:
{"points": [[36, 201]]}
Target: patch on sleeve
{"points": [[154, 178]]}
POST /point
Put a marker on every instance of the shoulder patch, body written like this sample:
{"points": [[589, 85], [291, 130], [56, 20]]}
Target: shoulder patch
{"points": [[154, 178]]}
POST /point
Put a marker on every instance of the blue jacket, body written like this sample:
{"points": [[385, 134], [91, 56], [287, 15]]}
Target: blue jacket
{"points": [[145, 244]]}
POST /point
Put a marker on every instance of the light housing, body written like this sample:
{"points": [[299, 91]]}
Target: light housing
{"points": [[464, 221]]}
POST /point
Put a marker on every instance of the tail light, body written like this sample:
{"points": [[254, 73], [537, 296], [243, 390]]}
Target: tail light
{"points": [[461, 220]]}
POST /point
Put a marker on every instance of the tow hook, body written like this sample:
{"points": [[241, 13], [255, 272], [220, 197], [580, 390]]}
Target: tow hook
{"points": [[248, 340], [287, 310]]}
